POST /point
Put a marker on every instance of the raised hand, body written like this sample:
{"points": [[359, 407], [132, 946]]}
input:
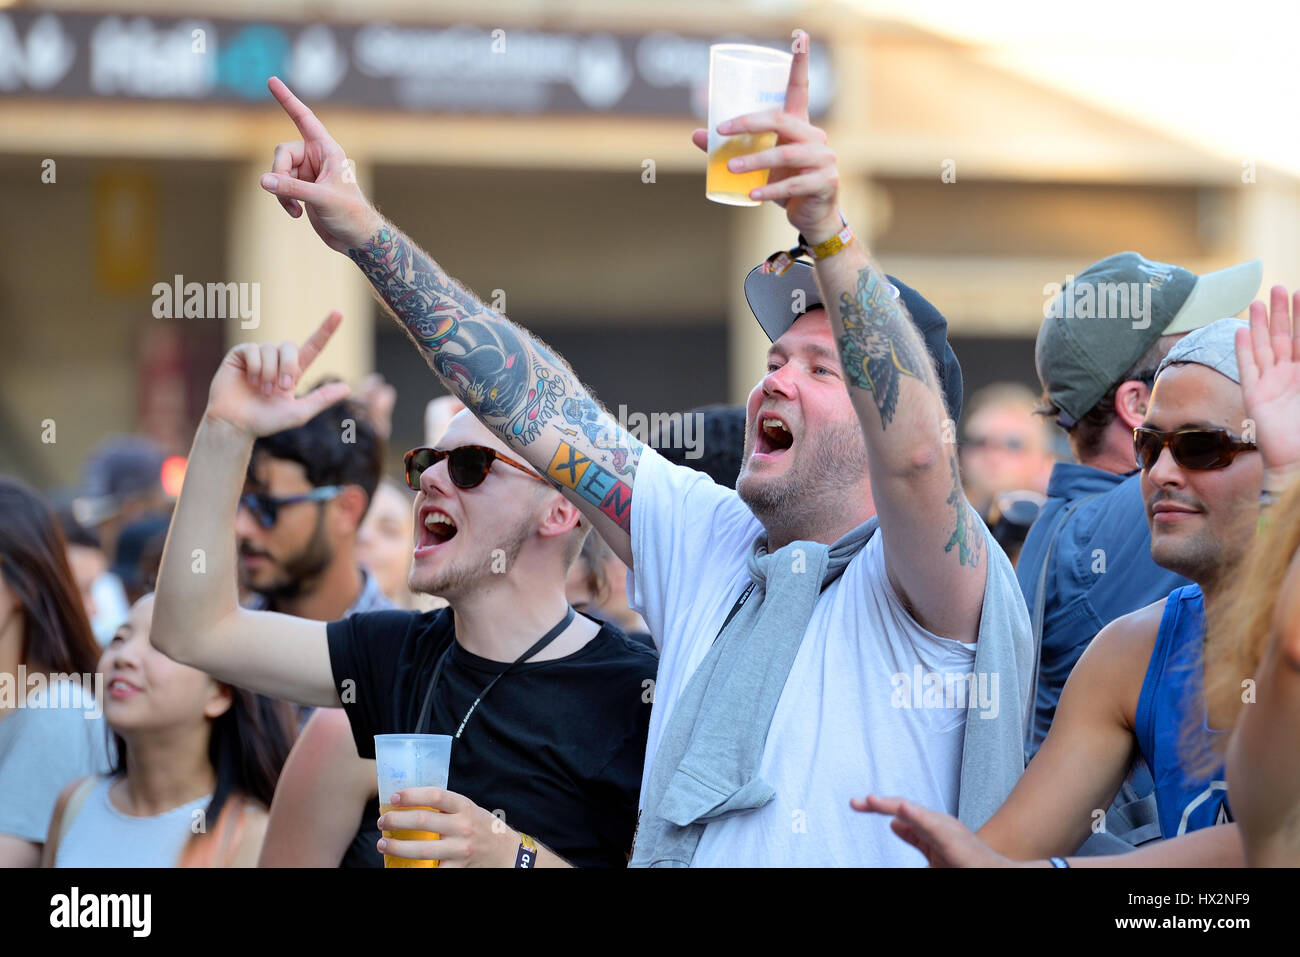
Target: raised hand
{"points": [[804, 179], [944, 840], [253, 390], [315, 171], [1268, 358]]}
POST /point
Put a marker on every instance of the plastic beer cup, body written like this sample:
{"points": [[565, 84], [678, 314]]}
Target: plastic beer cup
{"points": [[742, 79], [406, 761]]}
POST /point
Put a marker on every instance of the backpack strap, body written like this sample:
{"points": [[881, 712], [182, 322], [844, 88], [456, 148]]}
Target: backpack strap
{"points": [[75, 801]]}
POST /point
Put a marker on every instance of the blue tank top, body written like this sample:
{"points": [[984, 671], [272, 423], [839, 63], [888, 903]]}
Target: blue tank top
{"points": [[1174, 682]]}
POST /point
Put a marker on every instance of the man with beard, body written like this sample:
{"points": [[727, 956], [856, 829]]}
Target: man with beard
{"points": [[1218, 435], [800, 651], [306, 492], [553, 752]]}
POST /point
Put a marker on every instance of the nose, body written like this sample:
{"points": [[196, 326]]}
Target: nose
{"points": [[246, 527], [1165, 471], [780, 381], [436, 481], [125, 655]]}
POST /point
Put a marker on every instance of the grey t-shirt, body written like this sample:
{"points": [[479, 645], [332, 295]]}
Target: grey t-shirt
{"points": [[57, 735]]}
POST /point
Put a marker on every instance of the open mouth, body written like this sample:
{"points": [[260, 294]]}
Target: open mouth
{"points": [[774, 436], [119, 688], [437, 529]]}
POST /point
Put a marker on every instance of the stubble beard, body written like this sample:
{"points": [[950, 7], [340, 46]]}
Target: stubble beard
{"points": [[800, 502]]}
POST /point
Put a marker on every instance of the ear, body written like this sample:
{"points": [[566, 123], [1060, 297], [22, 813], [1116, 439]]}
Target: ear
{"points": [[220, 700], [1131, 400], [350, 507], [559, 516]]}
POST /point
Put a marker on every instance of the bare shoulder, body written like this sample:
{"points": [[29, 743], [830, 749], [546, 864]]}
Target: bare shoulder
{"points": [[326, 744]]}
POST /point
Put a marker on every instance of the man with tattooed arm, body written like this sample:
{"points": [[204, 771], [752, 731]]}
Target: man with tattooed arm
{"points": [[843, 619]]}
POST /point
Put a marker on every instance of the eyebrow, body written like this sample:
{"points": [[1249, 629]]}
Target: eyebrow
{"points": [[810, 349]]}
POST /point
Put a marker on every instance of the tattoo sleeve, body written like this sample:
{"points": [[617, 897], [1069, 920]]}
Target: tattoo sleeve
{"points": [[879, 345], [510, 380]]}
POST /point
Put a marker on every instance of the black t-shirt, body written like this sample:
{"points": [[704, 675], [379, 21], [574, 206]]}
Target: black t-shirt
{"points": [[556, 747]]}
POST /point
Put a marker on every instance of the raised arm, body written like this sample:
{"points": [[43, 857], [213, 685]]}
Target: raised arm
{"points": [[933, 540], [197, 619], [514, 384]]}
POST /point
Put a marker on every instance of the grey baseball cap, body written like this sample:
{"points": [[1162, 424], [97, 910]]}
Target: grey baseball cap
{"points": [[1106, 317], [1213, 346], [771, 298]]}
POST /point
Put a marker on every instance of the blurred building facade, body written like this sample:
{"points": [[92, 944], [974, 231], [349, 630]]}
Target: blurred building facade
{"points": [[540, 152]]}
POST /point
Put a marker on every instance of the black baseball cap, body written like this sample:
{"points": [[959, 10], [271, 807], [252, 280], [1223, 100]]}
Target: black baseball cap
{"points": [[770, 298]]}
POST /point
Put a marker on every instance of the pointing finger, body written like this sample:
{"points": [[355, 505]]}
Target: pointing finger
{"points": [[316, 341], [303, 118], [796, 92]]}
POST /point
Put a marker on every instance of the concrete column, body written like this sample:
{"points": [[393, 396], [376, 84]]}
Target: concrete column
{"points": [[300, 279], [756, 233]]}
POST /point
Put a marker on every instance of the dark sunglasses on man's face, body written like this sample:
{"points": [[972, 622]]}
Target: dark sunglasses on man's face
{"points": [[266, 508], [467, 465], [1195, 449]]}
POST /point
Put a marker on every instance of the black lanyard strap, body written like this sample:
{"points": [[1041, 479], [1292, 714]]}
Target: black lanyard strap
{"points": [[740, 603], [427, 708]]}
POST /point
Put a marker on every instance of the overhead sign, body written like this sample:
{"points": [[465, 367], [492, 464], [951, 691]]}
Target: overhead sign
{"points": [[428, 68]]}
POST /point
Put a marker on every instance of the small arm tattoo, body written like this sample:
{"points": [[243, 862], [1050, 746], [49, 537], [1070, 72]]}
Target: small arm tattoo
{"points": [[966, 537]]}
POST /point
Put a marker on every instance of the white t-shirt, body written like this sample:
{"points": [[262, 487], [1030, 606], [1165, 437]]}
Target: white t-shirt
{"points": [[845, 725]]}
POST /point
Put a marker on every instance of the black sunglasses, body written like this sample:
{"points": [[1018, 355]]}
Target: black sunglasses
{"points": [[1194, 449], [266, 508], [467, 465]]}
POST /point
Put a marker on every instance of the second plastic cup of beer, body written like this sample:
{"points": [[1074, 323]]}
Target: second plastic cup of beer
{"points": [[410, 761], [742, 79]]}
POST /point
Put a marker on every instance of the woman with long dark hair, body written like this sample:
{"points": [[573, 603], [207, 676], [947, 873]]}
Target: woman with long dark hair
{"points": [[51, 726], [197, 764]]}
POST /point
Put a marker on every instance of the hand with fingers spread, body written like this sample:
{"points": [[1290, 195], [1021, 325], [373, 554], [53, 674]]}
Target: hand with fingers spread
{"points": [[944, 840], [315, 171], [803, 177], [1268, 358], [468, 835], [253, 390]]}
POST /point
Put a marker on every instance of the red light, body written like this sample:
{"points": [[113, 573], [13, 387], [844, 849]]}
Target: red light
{"points": [[173, 475]]}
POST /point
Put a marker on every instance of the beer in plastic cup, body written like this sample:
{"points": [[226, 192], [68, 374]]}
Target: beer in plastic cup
{"points": [[742, 79], [409, 761]]}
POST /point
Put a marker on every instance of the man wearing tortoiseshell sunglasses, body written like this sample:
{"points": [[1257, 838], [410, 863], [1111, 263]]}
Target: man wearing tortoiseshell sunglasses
{"points": [[1217, 443]]}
